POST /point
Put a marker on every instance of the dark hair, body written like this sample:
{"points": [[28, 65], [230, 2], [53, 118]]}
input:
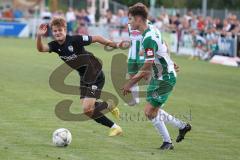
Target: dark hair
{"points": [[139, 9]]}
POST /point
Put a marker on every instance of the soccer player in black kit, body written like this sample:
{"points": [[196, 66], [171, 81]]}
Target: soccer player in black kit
{"points": [[71, 50]]}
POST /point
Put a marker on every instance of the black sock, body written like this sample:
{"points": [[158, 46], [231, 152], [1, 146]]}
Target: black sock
{"points": [[100, 108], [98, 114], [104, 121]]}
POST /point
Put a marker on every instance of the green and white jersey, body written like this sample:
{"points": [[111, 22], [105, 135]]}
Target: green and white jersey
{"points": [[155, 50], [136, 38]]}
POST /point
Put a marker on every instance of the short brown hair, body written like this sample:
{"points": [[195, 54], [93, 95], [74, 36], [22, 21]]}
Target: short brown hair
{"points": [[139, 9], [58, 21]]}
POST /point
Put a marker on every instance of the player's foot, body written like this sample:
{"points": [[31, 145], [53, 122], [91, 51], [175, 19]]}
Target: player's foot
{"points": [[115, 131], [132, 103], [166, 146], [113, 109], [182, 132]]}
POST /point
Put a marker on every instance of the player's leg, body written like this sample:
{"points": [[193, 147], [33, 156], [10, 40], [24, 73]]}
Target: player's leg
{"points": [[182, 126], [152, 113], [93, 109], [157, 94], [132, 70], [135, 93], [96, 109]]}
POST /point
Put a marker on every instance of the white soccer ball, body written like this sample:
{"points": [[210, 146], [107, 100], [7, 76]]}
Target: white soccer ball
{"points": [[61, 137]]}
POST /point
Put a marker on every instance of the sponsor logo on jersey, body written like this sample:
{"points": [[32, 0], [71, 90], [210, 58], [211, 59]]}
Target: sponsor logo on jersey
{"points": [[149, 52], [69, 58], [94, 88], [70, 48], [155, 95]]}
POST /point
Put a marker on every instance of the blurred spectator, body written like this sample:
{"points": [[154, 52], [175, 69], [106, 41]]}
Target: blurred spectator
{"points": [[226, 25], [122, 20], [17, 13], [1, 10], [208, 23], [200, 24], [46, 16], [193, 23], [58, 13], [70, 18], [82, 22], [233, 22], [8, 14], [90, 16], [218, 24], [111, 18], [152, 19], [165, 19], [159, 23], [212, 42], [188, 16]]}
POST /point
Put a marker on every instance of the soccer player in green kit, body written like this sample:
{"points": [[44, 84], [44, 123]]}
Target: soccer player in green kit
{"points": [[163, 78], [135, 62]]}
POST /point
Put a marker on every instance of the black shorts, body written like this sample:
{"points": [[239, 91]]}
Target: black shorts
{"points": [[92, 90]]}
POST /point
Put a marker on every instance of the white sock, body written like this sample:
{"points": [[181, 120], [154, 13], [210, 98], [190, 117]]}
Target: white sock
{"points": [[161, 128], [135, 92], [114, 125], [167, 118]]}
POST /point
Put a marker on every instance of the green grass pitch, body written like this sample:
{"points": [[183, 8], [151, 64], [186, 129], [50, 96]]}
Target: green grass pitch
{"points": [[209, 93]]}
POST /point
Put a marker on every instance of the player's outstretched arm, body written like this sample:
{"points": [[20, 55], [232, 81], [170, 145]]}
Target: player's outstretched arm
{"points": [[42, 30], [104, 41]]}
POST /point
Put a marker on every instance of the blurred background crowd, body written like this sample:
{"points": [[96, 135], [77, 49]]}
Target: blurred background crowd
{"points": [[206, 34]]}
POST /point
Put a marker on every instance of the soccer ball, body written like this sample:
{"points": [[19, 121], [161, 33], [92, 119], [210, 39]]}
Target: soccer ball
{"points": [[61, 137]]}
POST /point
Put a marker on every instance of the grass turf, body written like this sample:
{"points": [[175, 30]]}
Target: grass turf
{"points": [[207, 95]]}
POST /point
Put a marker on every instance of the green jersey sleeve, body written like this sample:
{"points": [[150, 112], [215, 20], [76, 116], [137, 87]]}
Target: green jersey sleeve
{"points": [[150, 47]]}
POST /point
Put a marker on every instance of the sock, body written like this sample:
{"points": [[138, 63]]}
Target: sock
{"points": [[104, 121], [99, 109], [135, 92], [167, 118], [161, 128], [98, 116], [114, 125]]}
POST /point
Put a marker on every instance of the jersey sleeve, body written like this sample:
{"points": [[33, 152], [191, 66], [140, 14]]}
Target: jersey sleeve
{"points": [[84, 40], [150, 48]]}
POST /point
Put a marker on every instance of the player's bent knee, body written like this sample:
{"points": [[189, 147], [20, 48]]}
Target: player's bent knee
{"points": [[88, 110], [149, 115], [150, 112]]}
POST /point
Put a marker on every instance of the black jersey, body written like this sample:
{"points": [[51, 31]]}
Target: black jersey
{"points": [[73, 53]]}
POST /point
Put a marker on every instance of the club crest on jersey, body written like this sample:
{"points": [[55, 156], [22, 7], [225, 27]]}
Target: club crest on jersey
{"points": [[155, 95], [149, 52], [85, 38], [94, 87], [70, 48]]}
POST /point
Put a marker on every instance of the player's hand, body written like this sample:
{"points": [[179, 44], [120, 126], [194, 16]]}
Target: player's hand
{"points": [[147, 77], [124, 44], [42, 30], [176, 67], [126, 89]]}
